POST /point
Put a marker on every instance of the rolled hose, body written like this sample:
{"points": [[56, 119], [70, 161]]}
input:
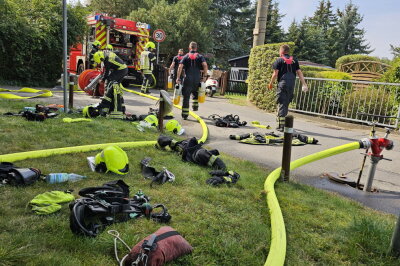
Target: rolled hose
{"points": [[277, 251], [40, 93], [19, 156]]}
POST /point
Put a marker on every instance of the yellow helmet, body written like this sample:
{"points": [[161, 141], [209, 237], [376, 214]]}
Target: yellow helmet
{"points": [[113, 159], [174, 127], [150, 45], [109, 47], [90, 111], [152, 120], [98, 56], [96, 44]]}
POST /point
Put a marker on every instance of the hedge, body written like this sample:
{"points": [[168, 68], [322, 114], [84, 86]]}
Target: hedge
{"points": [[260, 72], [393, 74], [354, 58]]}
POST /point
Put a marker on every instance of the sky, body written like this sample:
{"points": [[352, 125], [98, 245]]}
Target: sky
{"points": [[381, 19]]}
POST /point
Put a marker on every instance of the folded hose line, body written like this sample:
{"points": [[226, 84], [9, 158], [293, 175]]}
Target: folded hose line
{"points": [[42, 93], [13, 157], [277, 251]]}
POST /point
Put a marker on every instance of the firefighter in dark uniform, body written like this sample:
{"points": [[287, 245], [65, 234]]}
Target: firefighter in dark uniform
{"points": [[285, 69], [115, 70], [147, 62], [173, 69], [95, 48], [192, 63]]}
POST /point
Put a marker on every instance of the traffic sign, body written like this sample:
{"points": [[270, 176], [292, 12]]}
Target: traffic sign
{"points": [[159, 35]]}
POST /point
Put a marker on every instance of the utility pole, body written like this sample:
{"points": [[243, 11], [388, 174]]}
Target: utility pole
{"points": [[65, 52], [261, 22]]}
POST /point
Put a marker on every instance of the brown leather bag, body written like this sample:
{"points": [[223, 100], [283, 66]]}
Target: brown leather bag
{"points": [[165, 245]]}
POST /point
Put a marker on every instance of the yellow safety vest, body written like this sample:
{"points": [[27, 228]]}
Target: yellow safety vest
{"points": [[145, 63]]}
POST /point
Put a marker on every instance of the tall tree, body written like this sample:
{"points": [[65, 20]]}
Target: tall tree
{"points": [[326, 19], [118, 8], [184, 21], [351, 38], [231, 30], [274, 31], [395, 51]]}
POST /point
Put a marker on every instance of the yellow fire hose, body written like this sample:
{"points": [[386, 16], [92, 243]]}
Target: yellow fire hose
{"points": [[42, 93], [277, 251], [13, 157]]}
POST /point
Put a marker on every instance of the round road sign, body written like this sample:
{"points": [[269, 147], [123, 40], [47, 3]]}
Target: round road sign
{"points": [[159, 35]]}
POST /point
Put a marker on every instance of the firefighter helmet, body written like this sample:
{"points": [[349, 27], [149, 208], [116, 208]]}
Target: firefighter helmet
{"points": [[90, 111], [152, 120], [175, 127], [96, 44], [109, 47], [150, 45], [98, 56], [113, 159]]}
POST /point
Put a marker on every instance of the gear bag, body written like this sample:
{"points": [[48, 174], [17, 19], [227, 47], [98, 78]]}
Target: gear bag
{"points": [[165, 245]]}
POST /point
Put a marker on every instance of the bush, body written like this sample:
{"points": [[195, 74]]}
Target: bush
{"points": [[260, 72], [393, 74], [354, 58], [31, 39], [369, 100], [327, 75], [314, 68], [333, 75]]}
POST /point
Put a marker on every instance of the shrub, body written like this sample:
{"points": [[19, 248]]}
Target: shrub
{"points": [[354, 58], [393, 74], [327, 75], [260, 71], [333, 75], [314, 68], [369, 100]]}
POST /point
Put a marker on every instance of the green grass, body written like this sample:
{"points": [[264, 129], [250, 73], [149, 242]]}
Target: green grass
{"points": [[237, 99], [226, 225]]}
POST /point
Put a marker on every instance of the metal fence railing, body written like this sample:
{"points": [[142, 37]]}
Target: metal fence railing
{"points": [[346, 99], [237, 81]]}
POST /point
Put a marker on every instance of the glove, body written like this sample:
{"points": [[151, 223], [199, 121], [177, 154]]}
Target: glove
{"points": [[221, 177]]}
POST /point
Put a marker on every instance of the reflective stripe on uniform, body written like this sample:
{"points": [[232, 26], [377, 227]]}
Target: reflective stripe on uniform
{"points": [[108, 99], [212, 160], [111, 58], [185, 111]]}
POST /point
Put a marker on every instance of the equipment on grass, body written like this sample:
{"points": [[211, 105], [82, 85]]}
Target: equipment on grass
{"points": [[220, 177], [101, 206], [74, 120], [10, 174], [155, 176], [113, 159], [227, 121], [174, 127], [191, 151], [163, 246], [91, 111], [49, 202]]}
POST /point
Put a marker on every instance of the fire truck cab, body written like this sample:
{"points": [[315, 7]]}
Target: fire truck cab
{"points": [[127, 37]]}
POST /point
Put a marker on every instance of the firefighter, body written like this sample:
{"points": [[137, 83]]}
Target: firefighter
{"points": [[95, 48], [285, 69], [192, 63], [147, 61], [114, 72], [173, 69]]}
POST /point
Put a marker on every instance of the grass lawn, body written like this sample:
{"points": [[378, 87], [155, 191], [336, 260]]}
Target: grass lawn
{"points": [[237, 99], [225, 225]]}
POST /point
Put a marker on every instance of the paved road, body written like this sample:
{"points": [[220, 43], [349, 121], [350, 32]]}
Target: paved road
{"points": [[328, 134]]}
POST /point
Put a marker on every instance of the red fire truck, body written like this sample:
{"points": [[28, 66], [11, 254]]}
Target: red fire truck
{"points": [[127, 37]]}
